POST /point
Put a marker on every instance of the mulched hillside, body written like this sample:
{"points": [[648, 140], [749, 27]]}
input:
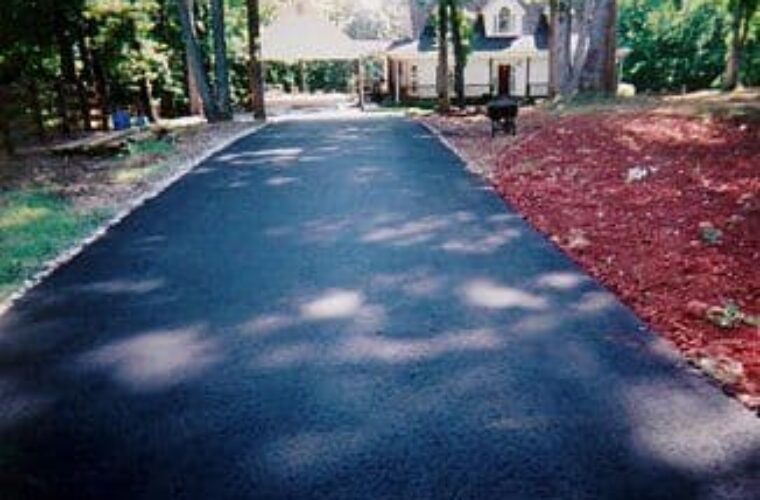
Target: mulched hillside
{"points": [[661, 206]]}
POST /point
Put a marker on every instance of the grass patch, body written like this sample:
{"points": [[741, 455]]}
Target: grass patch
{"points": [[35, 227], [155, 147], [139, 174]]}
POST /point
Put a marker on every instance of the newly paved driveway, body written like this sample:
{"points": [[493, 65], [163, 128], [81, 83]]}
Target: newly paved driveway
{"points": [[338, 310]]}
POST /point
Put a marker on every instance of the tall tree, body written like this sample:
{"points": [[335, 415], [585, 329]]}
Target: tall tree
{"points": [[741, 14], [194, 93], [221, 66], [588, 64], [458, 33], [599, 73], [442, 74], [255, 64], [196, 63]]}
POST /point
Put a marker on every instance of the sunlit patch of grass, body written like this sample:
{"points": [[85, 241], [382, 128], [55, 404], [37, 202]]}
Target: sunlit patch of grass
{"points": [[35, 227], [155, 147], [137, 175]]}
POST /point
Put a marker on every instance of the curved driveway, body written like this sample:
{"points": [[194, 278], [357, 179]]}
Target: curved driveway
{"points": [[336, 309]]}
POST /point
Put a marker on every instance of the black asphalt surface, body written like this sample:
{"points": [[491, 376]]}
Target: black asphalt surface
{"points": [[337, 309]]}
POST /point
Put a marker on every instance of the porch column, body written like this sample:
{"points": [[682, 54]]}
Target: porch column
{"points": [[490, 76], [397, 83], [527, 77], [386, 75], [360, 81]]}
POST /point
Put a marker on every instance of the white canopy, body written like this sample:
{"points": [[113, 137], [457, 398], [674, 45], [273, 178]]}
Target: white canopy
{"points": [[301, 34]]}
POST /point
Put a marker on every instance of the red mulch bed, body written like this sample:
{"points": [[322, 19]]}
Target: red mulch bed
{"points": [[568, 176]]}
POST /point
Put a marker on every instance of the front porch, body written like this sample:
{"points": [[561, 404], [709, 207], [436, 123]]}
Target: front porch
{"points": [[525, 76]]}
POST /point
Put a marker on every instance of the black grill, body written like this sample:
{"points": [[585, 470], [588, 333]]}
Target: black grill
{"points": [[503, 115]]}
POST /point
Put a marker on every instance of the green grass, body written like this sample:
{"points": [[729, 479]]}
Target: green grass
{"points": [[156, 147], [36, 226]]}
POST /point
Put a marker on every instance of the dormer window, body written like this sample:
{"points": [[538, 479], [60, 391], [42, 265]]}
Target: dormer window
{"points": [[504, 21], [504, 18]]}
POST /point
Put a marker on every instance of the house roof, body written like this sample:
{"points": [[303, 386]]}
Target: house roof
{"points": [[301, 34], [427, 44]]}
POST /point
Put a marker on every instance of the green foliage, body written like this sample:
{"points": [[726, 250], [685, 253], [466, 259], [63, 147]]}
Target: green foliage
{"points": [[673, 48], [34, 227]]}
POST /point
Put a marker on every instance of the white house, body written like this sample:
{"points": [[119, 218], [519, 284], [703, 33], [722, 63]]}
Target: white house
{"points": [[509, 55]]}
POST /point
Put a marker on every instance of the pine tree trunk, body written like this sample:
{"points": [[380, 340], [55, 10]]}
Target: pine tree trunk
{"points": [[444, 102], [5, 129], [87, 76], [255, 64], [146, 100], [193, 51], [460, 55], [196, 103], [33, 91], [554, 45], [101, 86], [733, 58], [221, 67], [598, 73], [66, 61]]}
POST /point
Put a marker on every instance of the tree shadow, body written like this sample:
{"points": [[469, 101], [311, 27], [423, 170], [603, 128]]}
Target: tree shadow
{"points": [[398, 338]]}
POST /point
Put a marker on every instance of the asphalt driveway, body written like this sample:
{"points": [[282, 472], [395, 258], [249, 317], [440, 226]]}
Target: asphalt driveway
{"points": [[336, 309]]}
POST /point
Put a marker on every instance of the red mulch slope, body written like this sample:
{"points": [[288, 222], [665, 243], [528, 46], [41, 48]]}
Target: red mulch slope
{"points": [[643, 239], [568, 176]]}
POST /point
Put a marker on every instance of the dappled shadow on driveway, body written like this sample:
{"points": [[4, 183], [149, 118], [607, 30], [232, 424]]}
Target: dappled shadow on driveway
{"points": [[336, 309]]}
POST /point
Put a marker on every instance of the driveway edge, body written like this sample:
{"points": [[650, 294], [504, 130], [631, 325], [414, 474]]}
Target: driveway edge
{"points": [[77, 248], [657, 344]]}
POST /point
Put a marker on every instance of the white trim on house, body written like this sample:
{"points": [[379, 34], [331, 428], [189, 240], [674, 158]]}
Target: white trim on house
{"points": [[492, 14]]}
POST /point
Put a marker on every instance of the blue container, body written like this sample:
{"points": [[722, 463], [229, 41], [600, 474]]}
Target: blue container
{"points": [[121, 120]]}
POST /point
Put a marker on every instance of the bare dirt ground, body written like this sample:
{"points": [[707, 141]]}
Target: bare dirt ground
{"points": [[108, 182], [657, 198]]}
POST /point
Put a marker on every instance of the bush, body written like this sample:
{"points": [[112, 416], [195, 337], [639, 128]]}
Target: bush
{"points": [[673, 48]]}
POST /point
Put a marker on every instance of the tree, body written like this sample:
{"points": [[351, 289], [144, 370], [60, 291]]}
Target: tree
{"points": [[672, 48], [741, 14], [599, 73], [194, 94], [459, 32], [589, 64], [221, 67], [442, 80], [196, 64], [255, 65]]}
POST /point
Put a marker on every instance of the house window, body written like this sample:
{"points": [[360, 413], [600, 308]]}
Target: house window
{"points": [[415, 79], [504, 21]]}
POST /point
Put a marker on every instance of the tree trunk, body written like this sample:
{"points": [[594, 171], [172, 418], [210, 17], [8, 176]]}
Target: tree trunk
{"points": [[460, 54], [196, 65], [88, 71], [221, 67], [598, 73], [554, 45], [146, 100], [67, 69], [442, 83], [33, 91], [101, 86], [194, 94], [5, 129], [255, 65], [733, 58], [69, 72]]}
